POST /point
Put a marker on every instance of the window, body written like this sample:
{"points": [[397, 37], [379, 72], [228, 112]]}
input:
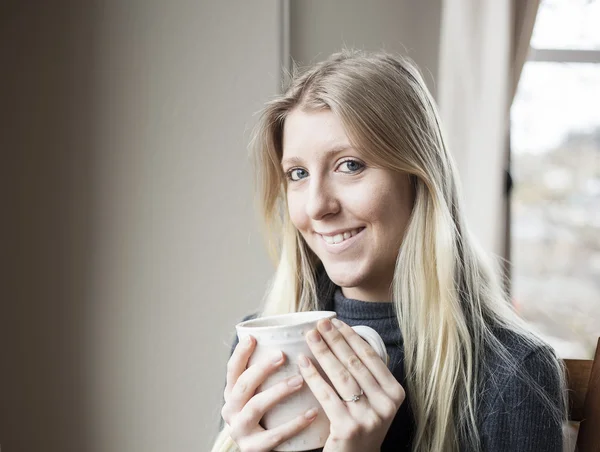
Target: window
{"points": [[555, 164]]}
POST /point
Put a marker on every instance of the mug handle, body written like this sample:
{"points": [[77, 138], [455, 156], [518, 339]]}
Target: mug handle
{"points": [[374, 340]]}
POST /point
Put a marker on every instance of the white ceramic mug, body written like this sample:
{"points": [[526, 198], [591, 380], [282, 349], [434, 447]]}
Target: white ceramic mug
{"points": [[286, 333]]}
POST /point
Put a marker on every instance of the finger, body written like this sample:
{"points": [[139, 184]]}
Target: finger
{"points": [[269, 439], [238, 362], [351, 363], [251, 414], [372, 361], [341, 378], [332, 405], [251, 379]]}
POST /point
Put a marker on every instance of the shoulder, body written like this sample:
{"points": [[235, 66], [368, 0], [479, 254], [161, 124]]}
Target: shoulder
{"points": [[513, 354], [519, 376], [521, 396], [249, 317]]}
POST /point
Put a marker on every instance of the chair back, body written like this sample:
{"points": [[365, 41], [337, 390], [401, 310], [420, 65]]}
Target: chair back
{"points": [[583, 380]]}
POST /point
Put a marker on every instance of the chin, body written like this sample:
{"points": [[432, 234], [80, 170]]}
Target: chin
{"points": [[344, 277]]}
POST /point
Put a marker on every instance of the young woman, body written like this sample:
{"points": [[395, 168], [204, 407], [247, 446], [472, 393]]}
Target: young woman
{"points": [[362, 202]]}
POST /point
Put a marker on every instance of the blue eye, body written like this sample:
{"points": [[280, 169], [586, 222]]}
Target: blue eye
{"points": [[351, 166], [295, 174]]}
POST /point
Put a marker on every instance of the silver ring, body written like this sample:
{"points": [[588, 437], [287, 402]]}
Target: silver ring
{"points": [[355, 397]]}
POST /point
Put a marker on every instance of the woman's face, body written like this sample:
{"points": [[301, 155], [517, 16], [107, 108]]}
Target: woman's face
{"points": [[351, 214]]}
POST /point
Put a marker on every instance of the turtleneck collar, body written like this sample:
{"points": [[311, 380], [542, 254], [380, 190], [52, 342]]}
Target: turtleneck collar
{"points": [[361, 310], [331, 298]]}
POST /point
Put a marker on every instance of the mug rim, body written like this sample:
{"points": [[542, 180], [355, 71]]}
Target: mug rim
{"points": [[247, 324]]}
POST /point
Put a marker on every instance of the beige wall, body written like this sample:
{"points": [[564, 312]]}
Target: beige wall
{"points": [[132, 242], [319, 28], [47, 146], [179, 259]]}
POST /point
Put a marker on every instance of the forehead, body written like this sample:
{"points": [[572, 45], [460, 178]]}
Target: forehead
{"points": [[307, 133]]}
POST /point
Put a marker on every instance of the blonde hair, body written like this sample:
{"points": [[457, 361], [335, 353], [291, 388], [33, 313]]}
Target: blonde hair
{"points": [[448, 300]]}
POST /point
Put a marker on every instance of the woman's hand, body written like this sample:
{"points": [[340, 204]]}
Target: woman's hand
{"points": [[243, 410], [352, 365]]}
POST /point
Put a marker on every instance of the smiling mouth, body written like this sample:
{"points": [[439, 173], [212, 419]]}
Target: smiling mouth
{"points": [[341, 237]]}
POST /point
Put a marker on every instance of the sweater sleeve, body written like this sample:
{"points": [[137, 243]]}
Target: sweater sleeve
{"points": [[519, 419]]}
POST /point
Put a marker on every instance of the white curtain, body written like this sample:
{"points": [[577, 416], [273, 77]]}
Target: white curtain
{"points": [[474, 87], [483, 47]]}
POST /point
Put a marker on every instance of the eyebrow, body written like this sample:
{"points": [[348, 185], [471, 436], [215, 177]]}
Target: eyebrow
{"points": [[326, 155]]}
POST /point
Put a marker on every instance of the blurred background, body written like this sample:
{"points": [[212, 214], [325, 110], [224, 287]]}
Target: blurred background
{"points": [[130, 241], [555, 164]]}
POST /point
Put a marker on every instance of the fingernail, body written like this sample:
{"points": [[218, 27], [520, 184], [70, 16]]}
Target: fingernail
{"points": [[296, 381], [327, 325], [314, 336], [303, 361], [278, 357], [311, 413], [336, 322], [248, 341]]}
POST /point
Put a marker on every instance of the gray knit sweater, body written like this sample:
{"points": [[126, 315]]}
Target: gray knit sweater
{"points": [[511, 417]]}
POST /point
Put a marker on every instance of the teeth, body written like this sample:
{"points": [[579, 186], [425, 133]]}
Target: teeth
{"points": [[338, 238], [328, 239]]}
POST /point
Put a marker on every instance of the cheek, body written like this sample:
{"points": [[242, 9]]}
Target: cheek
{"points": [[296, 211], [397, 216], [372, 203], [385, 206]]}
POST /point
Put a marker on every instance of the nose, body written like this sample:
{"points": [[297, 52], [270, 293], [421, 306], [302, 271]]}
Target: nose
{"points": [[322, 200]]}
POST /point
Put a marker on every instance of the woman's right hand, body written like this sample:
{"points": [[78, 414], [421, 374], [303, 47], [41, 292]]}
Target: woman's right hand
{"points": [[243, 410]]}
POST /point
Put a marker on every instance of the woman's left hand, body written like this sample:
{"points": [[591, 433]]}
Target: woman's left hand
{"points": [[351, 364]]}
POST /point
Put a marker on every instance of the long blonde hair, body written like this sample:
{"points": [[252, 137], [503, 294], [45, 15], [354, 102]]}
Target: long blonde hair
{"points": [[447, 296]]}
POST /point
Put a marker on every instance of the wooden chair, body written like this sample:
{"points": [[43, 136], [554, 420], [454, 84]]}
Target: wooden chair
{"points": [[583, 379]]}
